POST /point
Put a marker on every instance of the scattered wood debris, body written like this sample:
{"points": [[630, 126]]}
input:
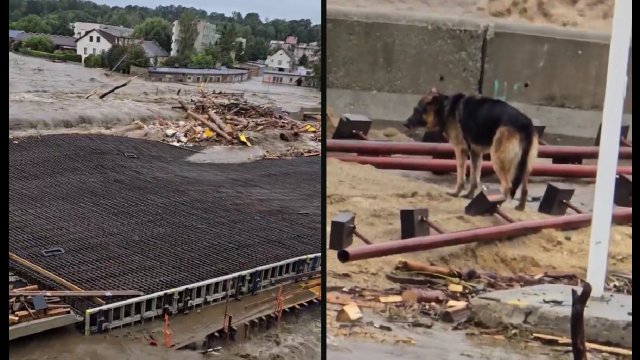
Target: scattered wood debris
{"points": [[427, 292], [590, 346], [349, 313], [229, 119], [24, 308]]}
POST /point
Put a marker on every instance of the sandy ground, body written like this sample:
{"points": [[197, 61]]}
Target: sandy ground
{"points": [[50, 97], [376, 197], [585, 14]]}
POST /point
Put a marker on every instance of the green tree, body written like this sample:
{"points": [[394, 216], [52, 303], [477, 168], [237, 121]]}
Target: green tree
{"points": [[60, 24], [228, 36], [214, 52], [187, 34], [155, 28], [93, 61], [252, 20], [303, 61], [17, 45], [136, 56], [32, 24], [256, 49], [114, 55], [39, 43], [201, 60], [317, 68], [226, 59], [240, 54], [175, 61]]}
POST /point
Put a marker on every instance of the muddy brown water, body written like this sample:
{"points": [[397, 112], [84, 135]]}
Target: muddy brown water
{"points": [[297, 338]]}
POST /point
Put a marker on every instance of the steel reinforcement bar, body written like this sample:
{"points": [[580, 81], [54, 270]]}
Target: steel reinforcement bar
{"points": [[418, 148], [206, 292], [438, 165]]}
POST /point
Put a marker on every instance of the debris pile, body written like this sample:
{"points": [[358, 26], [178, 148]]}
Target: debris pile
{"points": [[228, 119], [428, 293], [27, 308]]}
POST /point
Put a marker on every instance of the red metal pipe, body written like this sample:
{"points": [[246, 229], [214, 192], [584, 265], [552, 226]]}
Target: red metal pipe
{"points": [[419, 148], [490, 233], [442, 166]]}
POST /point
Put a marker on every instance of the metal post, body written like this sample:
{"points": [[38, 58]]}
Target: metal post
{"points": [[607, 159]]}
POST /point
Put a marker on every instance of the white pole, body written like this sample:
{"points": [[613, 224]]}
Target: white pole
{"points": [[612, 113]]}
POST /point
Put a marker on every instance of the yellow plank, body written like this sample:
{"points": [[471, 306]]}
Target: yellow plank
{"points": [[391, 299]]}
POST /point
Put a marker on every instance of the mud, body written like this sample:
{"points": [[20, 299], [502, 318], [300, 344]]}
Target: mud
{"points": [[438, 342]]}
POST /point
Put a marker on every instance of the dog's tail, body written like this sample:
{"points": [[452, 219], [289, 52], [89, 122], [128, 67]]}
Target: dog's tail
{"points": [[529, 150]]}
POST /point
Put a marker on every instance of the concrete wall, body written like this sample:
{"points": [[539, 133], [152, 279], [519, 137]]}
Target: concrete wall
{"points": [[142, 72], [402, 53], [379, 64], [548, 66]]}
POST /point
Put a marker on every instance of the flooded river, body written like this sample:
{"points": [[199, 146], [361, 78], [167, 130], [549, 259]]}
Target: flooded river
{"points": [[297, 338]]}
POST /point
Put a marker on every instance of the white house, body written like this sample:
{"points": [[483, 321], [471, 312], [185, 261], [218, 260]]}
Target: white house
{"points": [[281, 60], [94, 42], [81, 28], [98, 41]]}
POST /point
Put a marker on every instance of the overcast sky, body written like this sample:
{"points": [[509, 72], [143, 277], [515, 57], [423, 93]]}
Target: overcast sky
{"points": [[272, 9]]}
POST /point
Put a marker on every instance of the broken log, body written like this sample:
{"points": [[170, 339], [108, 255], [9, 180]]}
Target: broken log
{"points": [[221, 124], [183, 105], [578, 303], [408, 265], [116, 88], [57, 312], [423, 296], [26, 288], [209, 124], [239, 120]]}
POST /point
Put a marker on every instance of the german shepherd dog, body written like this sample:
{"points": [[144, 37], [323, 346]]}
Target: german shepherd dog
{"points": [[477, 125]]}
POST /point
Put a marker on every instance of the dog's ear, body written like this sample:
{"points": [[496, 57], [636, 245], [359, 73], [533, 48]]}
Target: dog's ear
{"points": [[437, 101]]}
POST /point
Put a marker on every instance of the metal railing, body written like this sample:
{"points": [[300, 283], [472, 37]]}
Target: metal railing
{"points": [[203, 293]]}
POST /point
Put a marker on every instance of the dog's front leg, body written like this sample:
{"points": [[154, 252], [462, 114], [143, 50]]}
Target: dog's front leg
{"points": [[474, 177], [461, 159]]}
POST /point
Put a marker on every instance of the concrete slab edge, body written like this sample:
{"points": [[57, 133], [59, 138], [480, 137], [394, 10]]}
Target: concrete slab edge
{"points": [[467, 23], [554, 321]]}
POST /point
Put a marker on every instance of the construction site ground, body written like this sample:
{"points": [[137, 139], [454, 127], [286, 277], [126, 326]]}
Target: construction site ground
{"points": [[120, 221], [376, 196]]}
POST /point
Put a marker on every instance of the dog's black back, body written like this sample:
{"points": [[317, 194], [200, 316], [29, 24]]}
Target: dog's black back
{"points": [[481, 117]]}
